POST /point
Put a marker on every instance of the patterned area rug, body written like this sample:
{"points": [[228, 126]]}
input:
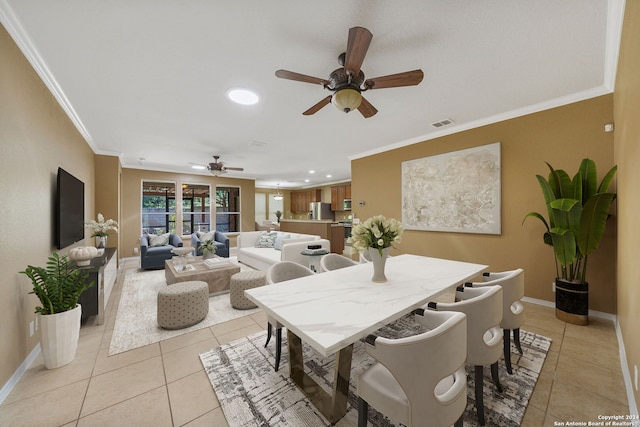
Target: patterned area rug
{"points": [[136, 323], [251, 393]]}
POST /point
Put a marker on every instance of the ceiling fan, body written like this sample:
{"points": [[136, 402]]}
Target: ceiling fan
{"points": [[218, 168], [348, 82]]}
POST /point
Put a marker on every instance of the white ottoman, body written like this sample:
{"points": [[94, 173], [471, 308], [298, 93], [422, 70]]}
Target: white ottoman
{"points": [[240, 282], [183, 304]]}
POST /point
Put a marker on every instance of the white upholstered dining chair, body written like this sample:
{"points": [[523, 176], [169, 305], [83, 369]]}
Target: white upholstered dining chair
{"points": [[512, 283], [281, 272], [419, 380], [335, 261], [483, 307]]}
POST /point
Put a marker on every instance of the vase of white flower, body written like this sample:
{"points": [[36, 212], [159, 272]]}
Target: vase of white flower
{"points": [[101, 228], [376, 236], [379, 259]]}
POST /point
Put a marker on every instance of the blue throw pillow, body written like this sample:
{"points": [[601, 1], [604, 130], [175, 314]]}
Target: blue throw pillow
{"points": [[266, 240], [279, 240]]}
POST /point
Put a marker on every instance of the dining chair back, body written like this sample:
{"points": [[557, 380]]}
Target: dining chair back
{"points": [[512, 283], [281, 272], [335, 261], [483, 308], [419, 380]]}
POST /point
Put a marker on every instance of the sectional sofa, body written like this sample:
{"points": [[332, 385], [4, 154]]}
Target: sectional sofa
{"points": [[255, 249]]}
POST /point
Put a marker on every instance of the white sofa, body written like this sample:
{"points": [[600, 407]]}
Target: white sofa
{"points": [[263, 258]]}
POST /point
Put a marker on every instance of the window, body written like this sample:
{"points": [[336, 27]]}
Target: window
{"points": [[158, 207], [196, 208], [228, 209]]}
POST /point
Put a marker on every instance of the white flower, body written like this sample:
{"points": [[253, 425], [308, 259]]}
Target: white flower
{"points": [[101, 226], [376, 232]]}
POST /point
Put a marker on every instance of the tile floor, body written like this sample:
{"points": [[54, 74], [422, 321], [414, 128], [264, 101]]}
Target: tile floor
{"points": [[164, 384]]}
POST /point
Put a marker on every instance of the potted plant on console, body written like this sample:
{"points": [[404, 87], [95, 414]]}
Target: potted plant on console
{"points": [[101, 229], [58, 286], [578, 209], [208, 249]]}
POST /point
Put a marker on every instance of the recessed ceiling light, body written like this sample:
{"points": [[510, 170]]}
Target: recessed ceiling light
{"points": [[198, 167], [306, 180], [243, 96], [329, 176], [312, 171]]}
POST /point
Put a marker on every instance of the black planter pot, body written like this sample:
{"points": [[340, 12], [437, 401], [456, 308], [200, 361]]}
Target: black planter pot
{"points": [[572, 302]]}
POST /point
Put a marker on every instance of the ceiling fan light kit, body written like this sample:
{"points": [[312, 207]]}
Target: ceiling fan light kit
{"points": [[348, 83], [346, 99]]}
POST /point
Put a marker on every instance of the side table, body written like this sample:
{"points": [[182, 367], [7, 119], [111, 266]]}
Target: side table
{"points": [[314, 258]]}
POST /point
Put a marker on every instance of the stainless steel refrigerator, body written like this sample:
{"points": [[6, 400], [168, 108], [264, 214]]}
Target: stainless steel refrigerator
{"points": [[319, 210]]}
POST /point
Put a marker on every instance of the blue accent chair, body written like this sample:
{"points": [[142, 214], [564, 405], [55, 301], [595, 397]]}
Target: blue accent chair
{"points": [[220, 240], [154, 257]]}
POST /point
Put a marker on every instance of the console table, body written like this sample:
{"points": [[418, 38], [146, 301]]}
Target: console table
{"points": [[102, 272]]}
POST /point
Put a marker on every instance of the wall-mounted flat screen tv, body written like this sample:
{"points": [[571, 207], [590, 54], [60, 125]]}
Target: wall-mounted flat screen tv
{"points": [[69, 209]]}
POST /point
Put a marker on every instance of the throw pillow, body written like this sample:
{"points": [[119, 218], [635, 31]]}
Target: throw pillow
{"points": [[266, 240], [158, 240], [279, 240], [206, 236]]}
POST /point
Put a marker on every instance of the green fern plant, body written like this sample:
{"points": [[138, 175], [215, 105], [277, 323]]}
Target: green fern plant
{"points": [[58, 286]]}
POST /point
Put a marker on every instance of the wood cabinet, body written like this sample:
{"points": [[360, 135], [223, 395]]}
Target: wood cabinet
{"points": [[338, 194], [300, 199]]}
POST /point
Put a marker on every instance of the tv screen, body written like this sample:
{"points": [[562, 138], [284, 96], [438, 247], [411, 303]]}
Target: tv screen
{"points": [[69, 209]]}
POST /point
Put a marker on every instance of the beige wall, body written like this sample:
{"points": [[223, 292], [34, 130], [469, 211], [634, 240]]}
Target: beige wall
{"points": [[130, 224], [562, 136], [627, 156], [36, 138], [107, 192]]}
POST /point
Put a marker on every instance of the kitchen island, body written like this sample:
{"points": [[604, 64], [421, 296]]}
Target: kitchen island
{"points": [[325, 228]]}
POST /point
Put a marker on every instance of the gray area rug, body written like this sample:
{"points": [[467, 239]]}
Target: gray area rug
{"points": [[251, 393], [136, 321]]}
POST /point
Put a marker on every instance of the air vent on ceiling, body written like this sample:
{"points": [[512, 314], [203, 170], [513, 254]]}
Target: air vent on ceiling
{"points": [[442, 123]]}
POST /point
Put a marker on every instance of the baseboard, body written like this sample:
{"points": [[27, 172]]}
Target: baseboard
{"points": [[626, 374], [9, 385]]}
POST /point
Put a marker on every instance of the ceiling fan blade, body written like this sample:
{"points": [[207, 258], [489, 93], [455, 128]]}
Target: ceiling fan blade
{"points": [[357, 46], [290, 75], [318, 106], [232, 169], [408, 78], [366, 109]]}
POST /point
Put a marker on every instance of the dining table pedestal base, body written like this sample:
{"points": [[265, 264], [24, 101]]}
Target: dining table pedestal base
{"points": [[332, 406]]}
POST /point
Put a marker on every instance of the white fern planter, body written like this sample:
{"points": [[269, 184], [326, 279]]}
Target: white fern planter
{"points": [[59, 337]]}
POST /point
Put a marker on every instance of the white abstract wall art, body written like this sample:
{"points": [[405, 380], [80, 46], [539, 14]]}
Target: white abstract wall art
{"points": [[453, 192]]}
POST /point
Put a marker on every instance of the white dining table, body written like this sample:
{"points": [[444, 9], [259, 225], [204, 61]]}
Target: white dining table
{"points": [[330, 311]]}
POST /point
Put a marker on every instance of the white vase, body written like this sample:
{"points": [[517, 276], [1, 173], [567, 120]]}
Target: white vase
{"points": [[101, 241], [59, 337], [379, 260]]}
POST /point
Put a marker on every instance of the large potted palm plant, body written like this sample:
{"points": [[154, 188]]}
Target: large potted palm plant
{"points": [[578, 209], [58, 287]]}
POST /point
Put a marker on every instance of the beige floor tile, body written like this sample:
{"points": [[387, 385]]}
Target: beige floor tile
{"points": [[213, 418], [37, 379], [121, 384], [601, 355], [238, 333], [232, 325], [191, 397], [541, 392], [185, 340], [598, 332], [604, 382], [52, 408], [106, 363], [533, 417], [186, 360], [148, 409], [571, 402]]}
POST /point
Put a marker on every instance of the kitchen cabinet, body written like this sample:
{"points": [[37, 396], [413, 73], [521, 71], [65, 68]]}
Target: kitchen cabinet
{"points": [[338, 194], [300, 199]]}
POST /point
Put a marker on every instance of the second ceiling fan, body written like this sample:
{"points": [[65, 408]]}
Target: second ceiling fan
{"points": [[348, 82]]}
